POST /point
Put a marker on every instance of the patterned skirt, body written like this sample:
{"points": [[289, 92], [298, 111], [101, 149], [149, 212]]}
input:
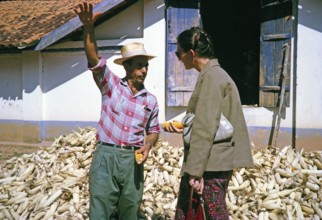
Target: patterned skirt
{"points": [[214, 194]]}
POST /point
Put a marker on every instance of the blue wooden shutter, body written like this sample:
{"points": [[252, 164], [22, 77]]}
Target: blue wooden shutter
{"points": [[275, 59], [180, 82]]}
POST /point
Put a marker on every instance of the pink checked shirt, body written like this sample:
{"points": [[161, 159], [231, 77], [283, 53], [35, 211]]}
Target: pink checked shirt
{"points": [[124, 117]]}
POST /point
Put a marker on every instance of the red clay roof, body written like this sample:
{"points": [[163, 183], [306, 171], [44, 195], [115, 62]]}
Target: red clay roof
{"points": [[27, 21]]}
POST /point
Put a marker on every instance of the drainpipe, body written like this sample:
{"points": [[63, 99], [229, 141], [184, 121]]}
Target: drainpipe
{"points": [[294, 81]]}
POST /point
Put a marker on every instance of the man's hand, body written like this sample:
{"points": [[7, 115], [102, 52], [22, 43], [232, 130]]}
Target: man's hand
{"points": [[197, 183], [85, 13], [145, 151]]}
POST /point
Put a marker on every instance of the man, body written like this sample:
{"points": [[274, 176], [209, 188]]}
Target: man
{"points": [[128, 122]]}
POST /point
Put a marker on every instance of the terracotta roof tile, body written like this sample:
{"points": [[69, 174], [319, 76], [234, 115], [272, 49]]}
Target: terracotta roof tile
{"points": [[27, 21]]}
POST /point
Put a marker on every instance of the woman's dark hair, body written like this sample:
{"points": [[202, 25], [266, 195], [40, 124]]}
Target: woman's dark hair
{"points": [[197, 39]]}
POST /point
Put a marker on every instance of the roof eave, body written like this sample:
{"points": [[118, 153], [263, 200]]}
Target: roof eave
{"points": [[23, 45], [74, 24]]}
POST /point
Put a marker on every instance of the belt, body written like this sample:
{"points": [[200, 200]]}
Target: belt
{"points": [[125, 147]]}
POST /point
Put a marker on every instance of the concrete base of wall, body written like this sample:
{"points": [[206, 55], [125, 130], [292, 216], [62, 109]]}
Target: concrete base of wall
{"points": [[309, 139], [37, 132], [20, 132]]}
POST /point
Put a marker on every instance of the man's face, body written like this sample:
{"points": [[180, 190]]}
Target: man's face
{"points": [[137, 70]]}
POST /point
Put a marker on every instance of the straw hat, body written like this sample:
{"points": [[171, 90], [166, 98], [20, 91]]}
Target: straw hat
{"points": [[131, 50]]}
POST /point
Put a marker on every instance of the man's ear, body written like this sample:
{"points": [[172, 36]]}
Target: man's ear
{"points": [[193, 53]]}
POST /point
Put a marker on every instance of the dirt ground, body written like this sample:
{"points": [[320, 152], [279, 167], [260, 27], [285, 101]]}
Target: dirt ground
{"points": [[9, 150]]}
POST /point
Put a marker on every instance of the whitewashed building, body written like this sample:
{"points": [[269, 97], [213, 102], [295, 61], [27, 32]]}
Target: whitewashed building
{"points": [[46, 89]]}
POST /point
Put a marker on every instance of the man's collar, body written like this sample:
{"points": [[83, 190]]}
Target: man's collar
{"points": [[140, 92]]}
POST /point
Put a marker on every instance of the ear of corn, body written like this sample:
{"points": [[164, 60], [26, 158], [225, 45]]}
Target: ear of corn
{"points": [[138, 157], [177, 124]]}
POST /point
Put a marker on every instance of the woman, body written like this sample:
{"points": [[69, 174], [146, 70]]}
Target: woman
{"points": [[208, 166]]}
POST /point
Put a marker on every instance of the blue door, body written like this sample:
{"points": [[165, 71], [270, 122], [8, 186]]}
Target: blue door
{"points": [[180, 83]]}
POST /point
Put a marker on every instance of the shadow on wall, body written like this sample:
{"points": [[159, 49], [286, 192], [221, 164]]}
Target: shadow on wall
{"points": [[58, 68], [62, 81], [10, 77], [62, 89], [61, 67], [310, 14]]}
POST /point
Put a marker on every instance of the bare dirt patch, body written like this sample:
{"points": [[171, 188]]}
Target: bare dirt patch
{"points": [[9, 150]]}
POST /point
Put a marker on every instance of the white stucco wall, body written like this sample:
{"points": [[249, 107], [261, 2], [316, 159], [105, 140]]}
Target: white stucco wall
{"points": [[54, 88], [142, 22], [69, 92], [309, 64], [126, 24], [51, 92], [32, 83]]}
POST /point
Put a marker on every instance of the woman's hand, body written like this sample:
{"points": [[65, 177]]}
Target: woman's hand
{"points": [[197, 183], [172, 127], [85, 13]]}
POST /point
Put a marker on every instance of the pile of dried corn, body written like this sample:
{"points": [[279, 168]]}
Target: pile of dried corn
{"points": [[162, 179], [52, 183], [284, 184]]}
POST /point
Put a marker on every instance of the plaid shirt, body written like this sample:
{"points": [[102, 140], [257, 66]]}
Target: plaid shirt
{"points": [[124, 117]]}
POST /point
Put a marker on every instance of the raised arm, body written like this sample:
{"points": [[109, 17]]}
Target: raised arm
{"points": [[86, 16]]}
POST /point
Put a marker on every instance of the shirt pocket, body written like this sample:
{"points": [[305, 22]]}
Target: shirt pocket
{"points": [[117, 104], [145, 115]]}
